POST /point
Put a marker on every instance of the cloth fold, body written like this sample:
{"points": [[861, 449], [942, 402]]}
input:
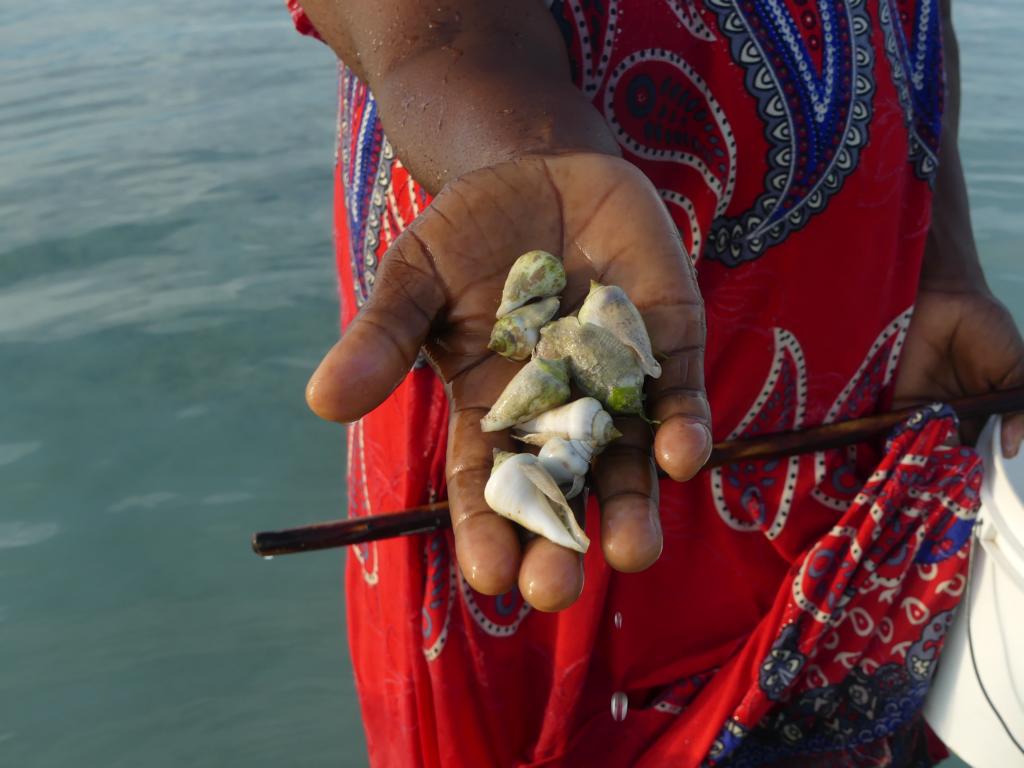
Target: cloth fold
{"points": [[798, 606]]}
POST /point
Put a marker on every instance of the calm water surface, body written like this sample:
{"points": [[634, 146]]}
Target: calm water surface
{"points": [[165, 289]]}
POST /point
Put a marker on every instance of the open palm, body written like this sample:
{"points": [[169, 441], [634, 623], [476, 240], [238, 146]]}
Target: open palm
{"points": [[438, 288]]}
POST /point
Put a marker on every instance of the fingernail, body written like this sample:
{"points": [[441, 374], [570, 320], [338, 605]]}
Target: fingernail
{"points": [[699, 438], [551, 578], [708, 441], [487, 554], [1013, 434], [682, 447], [631, 535]]}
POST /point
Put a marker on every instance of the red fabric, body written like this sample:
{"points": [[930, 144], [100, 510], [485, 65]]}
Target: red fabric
{"points": [[302, 23], [937, 751], [796, 612]]}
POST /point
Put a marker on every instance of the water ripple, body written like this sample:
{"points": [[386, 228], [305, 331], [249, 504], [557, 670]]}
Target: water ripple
{"points": [[22, 534], [229, 497], [12, 452], [145, 501], [145, 292]]}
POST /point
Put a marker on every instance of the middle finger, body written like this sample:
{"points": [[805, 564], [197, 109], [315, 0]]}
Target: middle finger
{"points": [[626, 482]]}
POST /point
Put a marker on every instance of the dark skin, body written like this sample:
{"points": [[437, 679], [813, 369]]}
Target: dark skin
{"points": [[463, 85], [439, 288], [477, 100], [961, 340]]}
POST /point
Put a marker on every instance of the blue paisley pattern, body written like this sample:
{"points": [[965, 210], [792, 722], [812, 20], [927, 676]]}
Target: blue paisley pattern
{"points": [[856, 712], [918, 74], [815, 116], [783, 664], [365, 157], [815, 121]]}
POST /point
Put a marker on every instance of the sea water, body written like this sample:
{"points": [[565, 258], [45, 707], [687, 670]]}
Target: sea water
{"points": [[165, 289]]}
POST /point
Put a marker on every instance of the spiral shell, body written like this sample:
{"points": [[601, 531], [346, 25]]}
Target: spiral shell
{"points": [[601, 365], [582, 420], [608, 307], [567, 461], [538, 387], [564, 454], [515, 335], [522, 490], [534, 275]]}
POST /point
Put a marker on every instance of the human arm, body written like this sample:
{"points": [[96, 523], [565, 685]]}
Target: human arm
{"points": [[961, 340], [484, 110], [463, 85]]}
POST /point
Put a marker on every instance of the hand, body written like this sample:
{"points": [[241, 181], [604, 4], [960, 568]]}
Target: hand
{"points": [[962, 342], [438, 288]]}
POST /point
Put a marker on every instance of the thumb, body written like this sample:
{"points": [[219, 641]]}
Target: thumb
{"points": [[382, 342]]}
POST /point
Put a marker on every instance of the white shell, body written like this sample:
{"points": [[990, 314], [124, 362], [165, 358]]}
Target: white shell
{"points": [[608, 307], [574, 489], [567, 461], [582, 419], [563, 454], [521, 490]]}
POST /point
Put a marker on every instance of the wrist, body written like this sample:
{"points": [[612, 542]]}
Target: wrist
{"points": [[951, 264], [951, 261], [447, 114]]}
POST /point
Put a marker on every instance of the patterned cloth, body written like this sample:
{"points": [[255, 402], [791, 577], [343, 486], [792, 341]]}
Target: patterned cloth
{"points": [[797, 611]]}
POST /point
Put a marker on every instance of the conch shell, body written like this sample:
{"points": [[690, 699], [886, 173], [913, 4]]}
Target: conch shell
{"points": [[601, 365], [582, 420], [522, 490], [515, 335], [538, 387], [565, 454], [534, 275], [609, 307], [567, 461]]}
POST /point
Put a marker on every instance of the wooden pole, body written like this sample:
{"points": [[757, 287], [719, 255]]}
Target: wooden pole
{"points": [[432, 517]]}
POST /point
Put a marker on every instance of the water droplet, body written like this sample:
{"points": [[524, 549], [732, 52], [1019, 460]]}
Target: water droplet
{"points": [[620, 706], [617, 620], [268, 557]]}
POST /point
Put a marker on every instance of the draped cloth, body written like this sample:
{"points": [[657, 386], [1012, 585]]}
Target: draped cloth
{"points": [[798, 608]]}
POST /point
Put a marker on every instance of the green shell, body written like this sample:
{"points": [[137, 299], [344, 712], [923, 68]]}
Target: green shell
{"points": [[515, 335], [601, 366], [534, 275], [539, 386], [609, 307]]}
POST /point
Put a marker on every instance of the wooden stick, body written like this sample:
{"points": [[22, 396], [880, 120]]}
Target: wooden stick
{"points": [[356, 530], [432, 517]]}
